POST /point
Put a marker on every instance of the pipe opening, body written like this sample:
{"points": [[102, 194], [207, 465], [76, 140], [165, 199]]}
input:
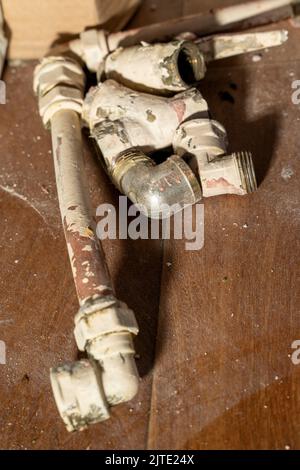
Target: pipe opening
{"points": [[190, 64]]}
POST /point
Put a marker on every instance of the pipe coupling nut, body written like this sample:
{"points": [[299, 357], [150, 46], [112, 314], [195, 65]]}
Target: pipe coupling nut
{"points": [[79, 394], [104, 317], [59, 83], [54, 71]]}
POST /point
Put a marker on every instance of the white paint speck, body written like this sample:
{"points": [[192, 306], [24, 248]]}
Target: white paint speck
{"points": [[257, 58], [87, 248], [287, 173]]}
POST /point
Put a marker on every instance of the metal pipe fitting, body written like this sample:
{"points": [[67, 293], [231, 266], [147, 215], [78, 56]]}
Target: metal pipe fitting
{"points": [[159, 68], [125, 125], [229, 45], [206, 142], [158, 190], [175, 66], [94, 45], [84, 390]]}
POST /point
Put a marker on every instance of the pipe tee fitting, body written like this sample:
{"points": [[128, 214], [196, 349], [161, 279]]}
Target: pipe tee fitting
{"points": [[126, 125]]}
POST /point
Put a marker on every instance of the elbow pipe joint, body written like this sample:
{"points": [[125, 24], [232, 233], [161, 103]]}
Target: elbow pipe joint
{"points": [[159, 191]]}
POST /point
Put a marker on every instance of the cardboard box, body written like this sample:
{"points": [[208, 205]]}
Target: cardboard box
{"points": [[35, 24]]}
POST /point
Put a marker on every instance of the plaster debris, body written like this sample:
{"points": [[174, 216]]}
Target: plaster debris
{"points": [[287, 173], [256, 57]]}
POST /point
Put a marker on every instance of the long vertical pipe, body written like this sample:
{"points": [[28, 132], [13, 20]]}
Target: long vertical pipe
{"points": [[89, 268]]}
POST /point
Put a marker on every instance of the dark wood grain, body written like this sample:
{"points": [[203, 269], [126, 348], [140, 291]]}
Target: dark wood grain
{"points": [[221, 376], [230, 312]]}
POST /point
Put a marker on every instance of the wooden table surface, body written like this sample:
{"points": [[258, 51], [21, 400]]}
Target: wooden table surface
{"points": [[216, 324]]}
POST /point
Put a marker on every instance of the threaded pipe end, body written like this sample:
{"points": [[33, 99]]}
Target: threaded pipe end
{"points": [[247, 172]]}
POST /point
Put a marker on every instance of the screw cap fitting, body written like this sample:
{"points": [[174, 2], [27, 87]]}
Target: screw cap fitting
{"points": [[79, 394]]}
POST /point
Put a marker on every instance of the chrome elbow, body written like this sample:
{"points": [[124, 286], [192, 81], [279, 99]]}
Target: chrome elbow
{"points": [[159, 191]]}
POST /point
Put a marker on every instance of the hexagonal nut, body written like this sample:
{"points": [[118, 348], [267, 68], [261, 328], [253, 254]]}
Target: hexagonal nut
{"points": [[55, 71], [60, 98], [201, 137], [108, 318], [79, 394], [61, 75]]}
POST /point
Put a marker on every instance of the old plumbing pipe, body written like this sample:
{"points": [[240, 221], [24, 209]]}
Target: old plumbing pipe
{"points": [[104, 327], [127, 125], [94, 45], [114, 113], [165, 68]]}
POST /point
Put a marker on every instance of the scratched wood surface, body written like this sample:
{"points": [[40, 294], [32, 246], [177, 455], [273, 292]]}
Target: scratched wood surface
{"points": [[216, 325]]}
